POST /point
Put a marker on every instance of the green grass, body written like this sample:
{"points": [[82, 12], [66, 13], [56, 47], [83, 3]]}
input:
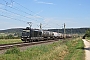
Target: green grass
{"points": [[8, 41], [75, 50], [62, 50], [53, 51], [13, 50]]}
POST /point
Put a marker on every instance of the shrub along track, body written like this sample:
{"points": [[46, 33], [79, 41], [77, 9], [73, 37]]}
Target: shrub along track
{"points": [[68, 49], [21, 44]]}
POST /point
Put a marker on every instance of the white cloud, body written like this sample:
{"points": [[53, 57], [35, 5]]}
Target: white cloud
{"points": [[41, 2], [46, 3]]}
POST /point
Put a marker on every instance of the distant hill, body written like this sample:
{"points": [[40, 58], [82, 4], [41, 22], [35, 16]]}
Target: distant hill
{"points": [[68, 31], [11, 30], [14, 30], [71, 30]]}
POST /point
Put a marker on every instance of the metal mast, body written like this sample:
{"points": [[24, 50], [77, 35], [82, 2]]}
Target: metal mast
{"points": [[40, 26], [30, 24], [64, 30]]}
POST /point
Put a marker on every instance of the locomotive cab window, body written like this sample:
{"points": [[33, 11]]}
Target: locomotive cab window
{"points": [[26, 33]]}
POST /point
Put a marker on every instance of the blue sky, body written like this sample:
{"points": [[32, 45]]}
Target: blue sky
{"points": [[51, 13]]}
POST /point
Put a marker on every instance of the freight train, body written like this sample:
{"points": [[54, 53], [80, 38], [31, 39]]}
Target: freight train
{"points": [[30, 35]]}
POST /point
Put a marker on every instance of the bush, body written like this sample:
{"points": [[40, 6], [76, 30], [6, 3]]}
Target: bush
{"points": [[88, 33], [13, 50]]}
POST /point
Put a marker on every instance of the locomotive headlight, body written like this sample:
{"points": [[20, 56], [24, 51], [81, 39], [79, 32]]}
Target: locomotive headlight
{"points": [[28, 38], [22, 38]]}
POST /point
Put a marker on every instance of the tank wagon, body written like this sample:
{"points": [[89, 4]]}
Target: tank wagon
{"points": [[29, 35]]}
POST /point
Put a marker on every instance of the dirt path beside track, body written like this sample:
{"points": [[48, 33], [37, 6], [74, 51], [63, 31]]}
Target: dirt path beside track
{"points": [[87, 49]]}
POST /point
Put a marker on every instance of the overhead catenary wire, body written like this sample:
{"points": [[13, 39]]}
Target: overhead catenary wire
{"points": [[5, 1], [22, 6], [16, 13], [23, 11], [26, 8], [18, 9], [15, 8], [12, 18]]}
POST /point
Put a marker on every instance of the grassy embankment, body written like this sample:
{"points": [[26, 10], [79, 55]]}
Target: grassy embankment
{"points": [[8, 41], [75, 50], [62, 50]]}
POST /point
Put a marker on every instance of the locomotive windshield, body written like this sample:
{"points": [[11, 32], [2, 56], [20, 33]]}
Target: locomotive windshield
{"points": [[26, 33]]}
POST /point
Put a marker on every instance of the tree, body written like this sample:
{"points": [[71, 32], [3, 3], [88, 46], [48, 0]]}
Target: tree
{"points": [[88, 33]]}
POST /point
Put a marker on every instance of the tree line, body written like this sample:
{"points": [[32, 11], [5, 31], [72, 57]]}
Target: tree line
{"points": [[10, 37], [88, 33]]}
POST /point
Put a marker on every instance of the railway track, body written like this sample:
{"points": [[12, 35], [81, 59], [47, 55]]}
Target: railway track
{"points": [[21, 44]]}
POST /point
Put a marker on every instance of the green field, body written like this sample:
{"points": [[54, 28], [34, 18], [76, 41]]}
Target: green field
{"points": [[3, 34], [62, 50], [6, 34], [8, 41]]}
